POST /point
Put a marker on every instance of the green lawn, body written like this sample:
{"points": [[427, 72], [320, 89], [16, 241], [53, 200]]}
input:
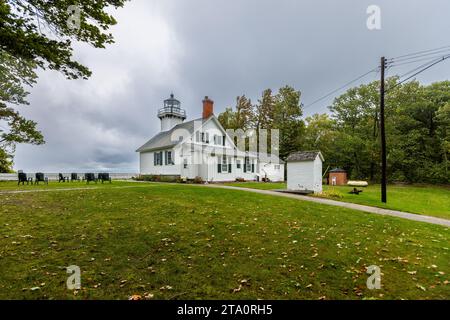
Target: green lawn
{"points": [[11, 185], [170, 241], [426, 200]]}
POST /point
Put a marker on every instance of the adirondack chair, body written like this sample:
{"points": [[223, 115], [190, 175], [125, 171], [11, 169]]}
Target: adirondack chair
{"points": [[104, 177], [62, 178], [74, 176], [90, 177], [355, 191], [22, 177], [39, 177]]}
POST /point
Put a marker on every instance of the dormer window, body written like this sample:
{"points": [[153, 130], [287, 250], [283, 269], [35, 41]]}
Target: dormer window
{"points": [[219, 140], [202, 137]]}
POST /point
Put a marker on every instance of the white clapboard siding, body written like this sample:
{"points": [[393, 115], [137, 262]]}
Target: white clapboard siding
{"points": [[305, 175]]}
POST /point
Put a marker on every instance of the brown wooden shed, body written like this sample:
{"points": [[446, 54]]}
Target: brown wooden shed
{"points": [[337, 177]]}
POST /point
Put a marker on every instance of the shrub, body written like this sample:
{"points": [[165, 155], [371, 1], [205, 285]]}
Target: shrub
{"points": [[144, 177], [329, 194], [240, 180], [157, 178], [168, 178], [181, 180], [198, 180]]}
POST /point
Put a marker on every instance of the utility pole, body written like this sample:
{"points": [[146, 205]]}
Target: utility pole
{"points": [[383, 133]]}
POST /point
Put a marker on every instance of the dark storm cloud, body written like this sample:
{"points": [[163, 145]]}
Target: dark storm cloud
{"points": [[221, 49]]}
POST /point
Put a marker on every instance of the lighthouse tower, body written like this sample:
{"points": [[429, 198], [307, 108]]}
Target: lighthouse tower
{"points": [[171, 114]]}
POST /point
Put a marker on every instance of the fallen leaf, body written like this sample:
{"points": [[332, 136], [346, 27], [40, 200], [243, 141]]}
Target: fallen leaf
{"points": [[149, 296], [237, 289], [421, 287]]}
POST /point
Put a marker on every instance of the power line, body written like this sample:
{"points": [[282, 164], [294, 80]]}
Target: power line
{"points": [[340, 88], [441, 52], [414, 61], [418, 52], [426, 68], [419, 67], [383, 92], [399, 61], [420, 71]]}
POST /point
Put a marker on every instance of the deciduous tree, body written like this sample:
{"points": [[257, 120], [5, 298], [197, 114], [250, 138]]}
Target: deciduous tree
{"points": [[39, 34]]}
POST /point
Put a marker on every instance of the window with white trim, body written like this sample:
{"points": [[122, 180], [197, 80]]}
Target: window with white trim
{"points": [[248, 166], [169, 158], [157, 158], [224, 164], [218, 140]]}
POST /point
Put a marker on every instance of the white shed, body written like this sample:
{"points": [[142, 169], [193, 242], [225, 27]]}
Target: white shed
{"points": [[304, 171]]}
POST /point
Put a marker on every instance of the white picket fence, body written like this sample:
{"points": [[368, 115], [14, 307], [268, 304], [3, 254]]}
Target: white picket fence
{"points": [[55, 176]]}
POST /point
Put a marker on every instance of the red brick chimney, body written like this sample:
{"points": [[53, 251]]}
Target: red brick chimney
{"points": [[208, 107]]}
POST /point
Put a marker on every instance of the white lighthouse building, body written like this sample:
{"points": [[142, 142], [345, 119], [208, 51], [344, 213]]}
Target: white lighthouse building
{"points": [[201, 148]]}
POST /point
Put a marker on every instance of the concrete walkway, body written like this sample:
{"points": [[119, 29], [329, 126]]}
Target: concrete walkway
{"points": [[354, 206]]}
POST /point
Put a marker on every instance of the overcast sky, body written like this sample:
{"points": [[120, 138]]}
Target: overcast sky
{"points": [[219, 48]]}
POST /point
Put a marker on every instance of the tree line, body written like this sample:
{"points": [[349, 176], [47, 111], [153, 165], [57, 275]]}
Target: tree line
{"points": [[417, 129], [39, 34]]}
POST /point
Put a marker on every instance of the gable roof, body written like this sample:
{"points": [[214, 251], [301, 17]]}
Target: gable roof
{"points": [[304, 156], [164, 139]]}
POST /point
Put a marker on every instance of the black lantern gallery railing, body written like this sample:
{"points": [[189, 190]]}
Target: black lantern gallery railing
{"points": [[172, 106]]}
